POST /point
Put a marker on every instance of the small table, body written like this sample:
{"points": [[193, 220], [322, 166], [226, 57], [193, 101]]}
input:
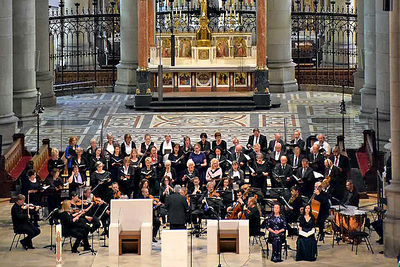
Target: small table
{"points": [[228, 241], [129, 242]]}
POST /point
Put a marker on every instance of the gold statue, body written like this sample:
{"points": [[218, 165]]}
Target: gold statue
{"points": [[203, 34]]}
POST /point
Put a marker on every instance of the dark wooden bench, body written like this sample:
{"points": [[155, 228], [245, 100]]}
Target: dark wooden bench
{"points": [[13, 163], [228, 241], [62, 89], [129, 242]]}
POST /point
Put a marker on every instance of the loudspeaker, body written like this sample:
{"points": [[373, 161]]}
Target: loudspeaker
{"points": [[387, 5]]}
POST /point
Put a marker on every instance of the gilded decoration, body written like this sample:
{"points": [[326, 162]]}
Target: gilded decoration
{"points": [[203, 79], [166, 47], [240, 47], [185, 48], [222, 47]]}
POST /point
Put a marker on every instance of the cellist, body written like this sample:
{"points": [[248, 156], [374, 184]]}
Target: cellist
{"points": [[236, 207], [323, 214]]}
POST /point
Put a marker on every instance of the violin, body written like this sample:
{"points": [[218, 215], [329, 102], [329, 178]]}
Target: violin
{"points": [[97, 200], [31, 206], [293, 197], [214, 194], [252, 202], [117, 194], [156, 201]]}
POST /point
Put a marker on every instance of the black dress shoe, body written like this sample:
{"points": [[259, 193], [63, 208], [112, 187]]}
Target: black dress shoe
{"points": [[380, 241], [24, 245], [87, 248], [74, 251], [154, 240]]}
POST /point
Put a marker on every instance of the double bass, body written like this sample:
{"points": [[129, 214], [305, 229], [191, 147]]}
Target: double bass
{"points": [[315, 204]]}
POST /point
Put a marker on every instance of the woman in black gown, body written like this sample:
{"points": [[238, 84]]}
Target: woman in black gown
{"points": [[260, 174], [177, 158], [306, 246], [115, 163], [276, 226]]}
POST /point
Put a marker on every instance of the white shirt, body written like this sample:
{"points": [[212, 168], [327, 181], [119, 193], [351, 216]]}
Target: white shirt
{"points": [[277, 154], [325, 145], [128, 148], [110, 148], [256, 140]]}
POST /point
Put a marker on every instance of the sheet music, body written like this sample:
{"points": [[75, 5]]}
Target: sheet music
{"points": [[307, 234], [295, 177], [317, 175], [252, 170]]}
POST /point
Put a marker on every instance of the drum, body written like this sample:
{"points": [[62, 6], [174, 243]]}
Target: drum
{"points": [[352, 220], [334, 211]]}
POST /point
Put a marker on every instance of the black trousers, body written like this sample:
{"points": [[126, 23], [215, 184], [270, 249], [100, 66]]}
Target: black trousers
{"points": [[177, 226], [80, 234], [30, 230]]}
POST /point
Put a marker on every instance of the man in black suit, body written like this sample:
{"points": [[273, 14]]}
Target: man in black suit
{"points": [[316, 159], [298, 141], [275, 156], [273, 143], [340, 161], [177, 207], [21, 224], [258, 138], [285, 172], [295, 159], [239, 157], [305, 173], [336, 188]]}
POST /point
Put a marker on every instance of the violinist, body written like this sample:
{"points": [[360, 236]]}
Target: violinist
{"points": [[21, 224], [96, 207], [156, 219], [226, 193], [177, 158], [53, 193], [196, 188], [76, 181], [72, 227], [114, 192], [126, 177], [292, 214], [32, 192], [86, 221], [165, 190], [143, 184]]}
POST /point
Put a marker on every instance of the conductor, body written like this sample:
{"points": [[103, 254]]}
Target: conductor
{"points": [[177, 207]]}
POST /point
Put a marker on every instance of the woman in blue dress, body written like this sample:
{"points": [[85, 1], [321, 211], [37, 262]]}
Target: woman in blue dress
{"points": [[306, 243], [200, 161], [276, 226]]}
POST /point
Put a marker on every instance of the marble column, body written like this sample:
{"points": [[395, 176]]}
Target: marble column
{"points": [[261, 96], [150, 17], [143, 91], [382, 71], [368, 92], [7, 118], [126, 69], [280, 63], [392, 219], [24, 57], [44, 76], [359, 75]]}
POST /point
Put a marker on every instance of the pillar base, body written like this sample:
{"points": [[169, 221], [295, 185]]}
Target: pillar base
{"points": [[282, 77], [44, 80], [368, 100], [126, 78], [358, 84], [8, 125], [392, 221], [143, 92], [24, 103], [261, 96]]}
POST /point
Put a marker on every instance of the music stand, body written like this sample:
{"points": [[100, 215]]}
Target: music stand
{"points": [[51, 216]]}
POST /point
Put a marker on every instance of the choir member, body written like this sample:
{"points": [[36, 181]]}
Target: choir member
{"points": [[200, 161], [146, 146], [257, 138], [187, 147], [236, 174], [232, 149], [298, 141], [115, 163], [166, 147], [109, 146], [323, 145], [100, 180], [295, 159], [76, 181], [169, 171], [218, 142], [214, 172], [177, 158], [189, 174], [55, 162], [70, 152], [336, 188], [149, 172], [253, 154], [127, 145], [53, 192], [239, 157], [91, 150], [205, 146], [259, 174], [273, 143], [306, 176], [97, 157], [284, 172], [126, 177], [316, 159], [275, 156], [80, 161]]}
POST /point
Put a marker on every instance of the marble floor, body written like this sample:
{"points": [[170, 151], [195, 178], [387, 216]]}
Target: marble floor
{"points": [[327, 256], [93, 115]]}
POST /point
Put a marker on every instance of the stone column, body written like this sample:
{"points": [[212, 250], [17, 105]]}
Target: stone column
{"points": [[261, 94], [24, 53], [392, 220], [44, 76], [126, 69], [368, 93], [382, 70], [7, 118], [143, 91], [359, 75], [280, 63]]}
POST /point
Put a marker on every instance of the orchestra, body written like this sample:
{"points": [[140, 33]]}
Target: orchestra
{"points": [[189, 183]]}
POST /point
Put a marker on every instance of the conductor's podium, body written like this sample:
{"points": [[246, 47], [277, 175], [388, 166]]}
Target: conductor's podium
{"points": [[233, 236]]}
